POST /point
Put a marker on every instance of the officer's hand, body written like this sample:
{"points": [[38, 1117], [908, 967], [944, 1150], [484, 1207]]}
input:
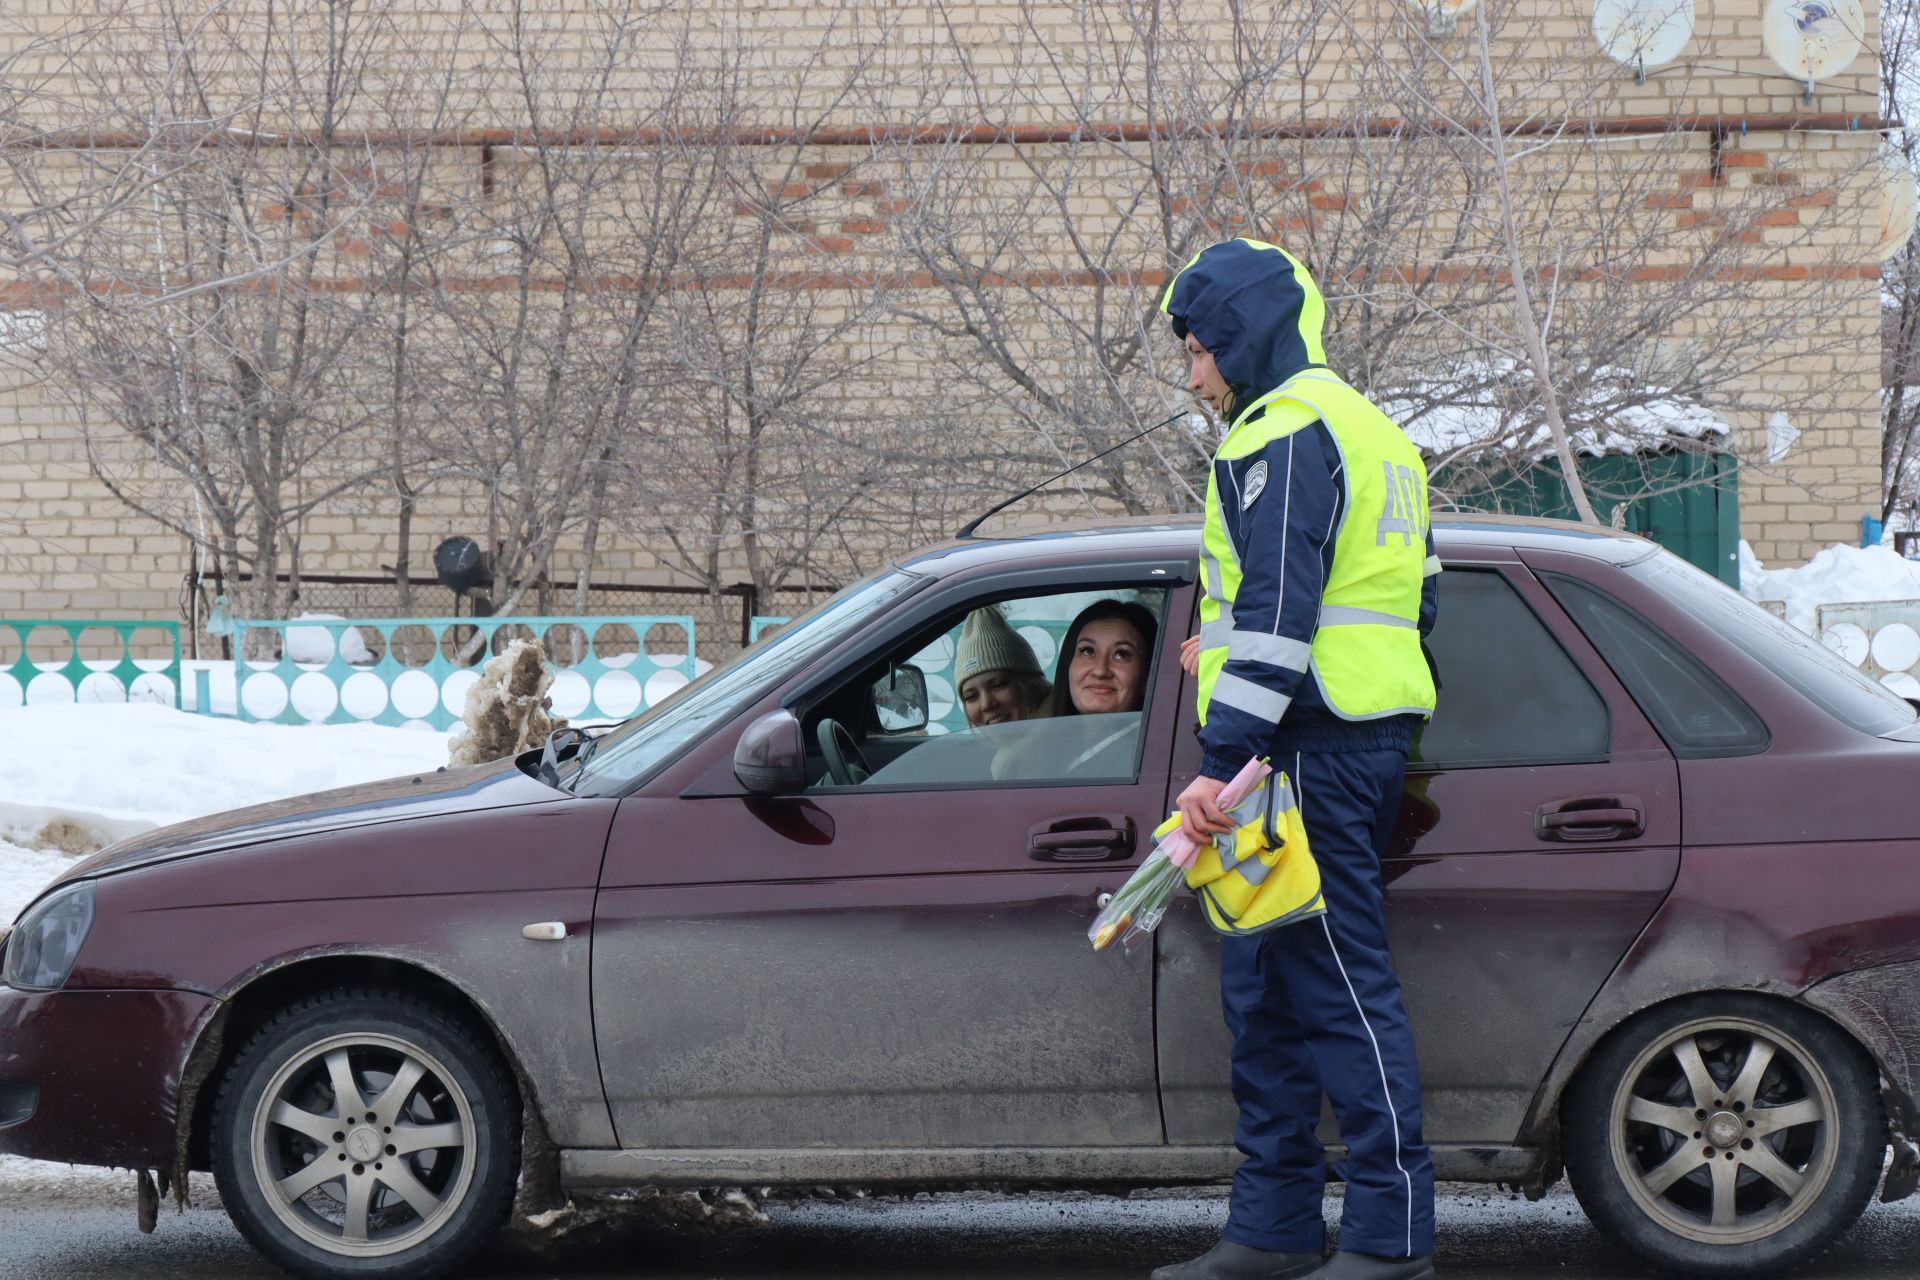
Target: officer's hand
{"points": [[1190, 655], [1200, 813]]}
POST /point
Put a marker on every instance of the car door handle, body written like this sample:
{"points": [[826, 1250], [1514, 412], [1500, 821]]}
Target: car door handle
{"points": [[1091, 839], [1590, 819]]}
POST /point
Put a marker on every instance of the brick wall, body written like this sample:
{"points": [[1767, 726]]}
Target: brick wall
{"points": [[67, 545]]}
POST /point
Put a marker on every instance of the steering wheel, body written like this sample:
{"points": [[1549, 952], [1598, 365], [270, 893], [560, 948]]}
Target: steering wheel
{"points": [[844, 762]]}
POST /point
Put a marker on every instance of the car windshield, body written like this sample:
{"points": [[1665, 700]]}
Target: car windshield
{"points": [[1822, 676], [628, 753]]}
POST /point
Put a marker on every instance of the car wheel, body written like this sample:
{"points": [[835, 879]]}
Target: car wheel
{"points": [[366, 1134], [1725, 1135]]}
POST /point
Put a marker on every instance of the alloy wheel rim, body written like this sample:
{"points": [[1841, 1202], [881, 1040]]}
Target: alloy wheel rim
{"points": [[363, 1144], [1723, 1130]]}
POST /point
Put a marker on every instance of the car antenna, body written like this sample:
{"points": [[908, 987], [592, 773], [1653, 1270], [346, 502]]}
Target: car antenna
{"points": [[966, 530]]}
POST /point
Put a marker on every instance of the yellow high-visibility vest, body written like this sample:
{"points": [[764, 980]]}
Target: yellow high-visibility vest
{"points": [[1365, 654]]}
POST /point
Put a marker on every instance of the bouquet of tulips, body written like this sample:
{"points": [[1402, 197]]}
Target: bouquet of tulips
{"points": [[1138, 906]]}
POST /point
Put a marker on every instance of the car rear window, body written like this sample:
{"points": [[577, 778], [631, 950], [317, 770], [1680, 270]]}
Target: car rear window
{"points": [[1694, 710], [1821, 676]]}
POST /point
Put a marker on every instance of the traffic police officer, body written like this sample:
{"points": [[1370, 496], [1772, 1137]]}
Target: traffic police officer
{"points": [[1318, 569]]}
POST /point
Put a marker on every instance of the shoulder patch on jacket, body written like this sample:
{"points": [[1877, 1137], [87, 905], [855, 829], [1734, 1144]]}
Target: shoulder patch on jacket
{"points": [[1256, 484]]}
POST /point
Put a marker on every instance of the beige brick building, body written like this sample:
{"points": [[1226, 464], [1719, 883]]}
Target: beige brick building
{"points": [[1719, 144]]}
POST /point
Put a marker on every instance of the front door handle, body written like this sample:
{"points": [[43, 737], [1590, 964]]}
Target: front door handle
{"points": [[1089, 839], [1591, 818]]}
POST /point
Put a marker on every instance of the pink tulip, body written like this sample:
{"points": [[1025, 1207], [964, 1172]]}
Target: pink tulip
{"points": [[1181, 848]]}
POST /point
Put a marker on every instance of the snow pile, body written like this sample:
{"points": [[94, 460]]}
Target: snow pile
{"points": [[23, 873], [1495, 408], [118, 769], [507, 709], [316, 644], [1839, 574]]}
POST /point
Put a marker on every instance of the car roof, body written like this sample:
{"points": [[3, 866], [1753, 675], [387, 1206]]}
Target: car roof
{"points": [[1457, 536]]}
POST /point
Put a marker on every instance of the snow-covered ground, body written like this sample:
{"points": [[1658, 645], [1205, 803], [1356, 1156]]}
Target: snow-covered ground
{"points": [[115, 769], [1837, 575]]}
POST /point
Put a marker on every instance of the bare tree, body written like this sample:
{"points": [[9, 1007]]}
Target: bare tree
{"points": [[1042, 311], [1601, 286], [768, 448], [418, 188], [202, 337], [550, 304]]}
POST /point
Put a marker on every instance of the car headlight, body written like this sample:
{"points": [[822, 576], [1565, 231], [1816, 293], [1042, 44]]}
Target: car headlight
{"points": [[47, 939]]}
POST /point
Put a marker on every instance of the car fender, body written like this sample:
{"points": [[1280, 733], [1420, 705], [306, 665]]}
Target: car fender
{"points": [[1722, 928]]}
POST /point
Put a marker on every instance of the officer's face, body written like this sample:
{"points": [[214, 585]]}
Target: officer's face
{"points": [[1109, 668], [1204, 380]]}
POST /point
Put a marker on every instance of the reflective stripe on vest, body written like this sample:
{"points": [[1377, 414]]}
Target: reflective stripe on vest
{"points": [[1365, 653], [1343, 616]]}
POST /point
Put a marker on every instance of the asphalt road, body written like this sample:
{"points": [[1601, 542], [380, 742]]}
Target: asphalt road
{"points": [[1484, 1235]]}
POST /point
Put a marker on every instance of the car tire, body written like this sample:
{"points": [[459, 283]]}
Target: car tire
{"points": [[1725, 1135], [424, 1165]]}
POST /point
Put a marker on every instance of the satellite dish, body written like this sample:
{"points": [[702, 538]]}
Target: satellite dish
{"points": [[461, 564], [1643, 33], [1813, 39], [1899, 202], [1442, 14]]}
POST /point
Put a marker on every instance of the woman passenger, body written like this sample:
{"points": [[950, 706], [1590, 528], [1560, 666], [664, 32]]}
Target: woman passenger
{"points": [[1104, 661], [999, 677]]}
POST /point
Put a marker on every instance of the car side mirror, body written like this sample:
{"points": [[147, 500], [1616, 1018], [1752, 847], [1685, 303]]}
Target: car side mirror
{"points": [[900, 698], [771, 757]]}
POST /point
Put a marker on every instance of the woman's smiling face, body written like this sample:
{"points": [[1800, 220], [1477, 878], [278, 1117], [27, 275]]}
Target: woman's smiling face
{"points": [[1109, 668], [992, 697]]}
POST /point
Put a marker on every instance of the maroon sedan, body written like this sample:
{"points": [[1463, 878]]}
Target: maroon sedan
{"points": [[1653, 896]]}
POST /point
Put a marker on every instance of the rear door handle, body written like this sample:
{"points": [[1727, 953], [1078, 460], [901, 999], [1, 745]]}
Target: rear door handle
{"points": [[1089, 839], [1590, 819]]}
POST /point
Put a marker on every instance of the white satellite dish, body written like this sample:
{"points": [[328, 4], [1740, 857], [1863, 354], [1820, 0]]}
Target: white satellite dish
{"points": [[1442, 14], [1813, 39], [1899, 204], [1643, 33]]}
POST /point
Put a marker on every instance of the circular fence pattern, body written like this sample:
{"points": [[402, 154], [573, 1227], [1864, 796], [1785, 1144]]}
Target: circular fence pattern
{"points": [[416, 672], [1881, 638], [46, 662]]}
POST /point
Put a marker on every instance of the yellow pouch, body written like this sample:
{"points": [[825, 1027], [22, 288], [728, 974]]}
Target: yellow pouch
{"points": [[1262, 875]]}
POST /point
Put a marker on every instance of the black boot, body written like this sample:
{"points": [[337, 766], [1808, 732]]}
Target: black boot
{"points": [[1364, 1266], [1229, 1261]]}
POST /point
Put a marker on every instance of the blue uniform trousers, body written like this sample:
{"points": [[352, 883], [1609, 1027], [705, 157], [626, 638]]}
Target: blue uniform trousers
{"points": [[1316, 1006]]}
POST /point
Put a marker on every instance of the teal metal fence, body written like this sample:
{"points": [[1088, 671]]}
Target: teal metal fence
{"points": [[44, 661], [416, 671], [760, 624]]}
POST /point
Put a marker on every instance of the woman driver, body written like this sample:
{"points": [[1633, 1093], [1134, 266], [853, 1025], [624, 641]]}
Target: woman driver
{"points": [[1103, 664], [999, 677]]}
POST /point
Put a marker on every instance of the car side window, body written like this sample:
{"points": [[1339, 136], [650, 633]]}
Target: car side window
{"points": [[1508, 693], [1694, 710], [1028, 689]]}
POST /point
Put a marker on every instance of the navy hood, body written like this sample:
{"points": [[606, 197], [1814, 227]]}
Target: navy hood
{"points": [[1255, 308]]}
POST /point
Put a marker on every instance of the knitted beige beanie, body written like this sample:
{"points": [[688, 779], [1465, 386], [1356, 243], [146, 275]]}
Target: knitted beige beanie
{"points": [[987, 643]]}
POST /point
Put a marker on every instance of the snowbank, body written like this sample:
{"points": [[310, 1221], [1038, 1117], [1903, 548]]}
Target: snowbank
{"points": [[1837, 575], [23, 873], [112, 766]]}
